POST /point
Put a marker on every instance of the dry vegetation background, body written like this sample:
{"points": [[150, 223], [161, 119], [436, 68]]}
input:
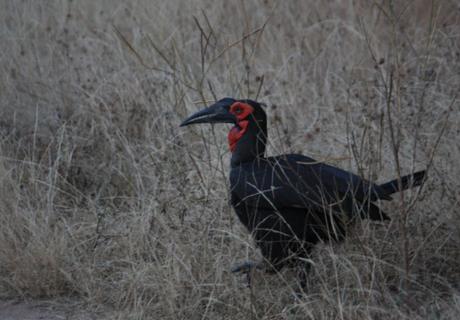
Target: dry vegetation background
{"points": [[105, 199]]}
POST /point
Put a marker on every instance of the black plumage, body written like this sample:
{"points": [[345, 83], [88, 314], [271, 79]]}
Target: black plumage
{"points": [[291, 202]]}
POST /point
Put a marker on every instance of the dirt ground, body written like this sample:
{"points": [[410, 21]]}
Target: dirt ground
{"points": [[45, 310]]}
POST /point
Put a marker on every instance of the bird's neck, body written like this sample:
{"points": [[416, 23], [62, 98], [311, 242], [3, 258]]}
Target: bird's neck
{"points": [[250, 145]]}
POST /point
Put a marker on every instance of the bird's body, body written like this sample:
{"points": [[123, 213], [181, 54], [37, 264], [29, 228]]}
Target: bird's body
{"points": [[291, 202], [284, 222]]}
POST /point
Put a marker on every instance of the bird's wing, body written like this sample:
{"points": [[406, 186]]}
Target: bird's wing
{"points": [[337, 180], [298, 181]]}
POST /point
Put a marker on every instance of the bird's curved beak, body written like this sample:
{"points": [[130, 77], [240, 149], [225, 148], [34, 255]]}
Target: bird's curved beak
{"points": [[217, 113]]}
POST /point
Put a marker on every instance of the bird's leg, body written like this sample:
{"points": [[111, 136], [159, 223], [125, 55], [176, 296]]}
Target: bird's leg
{"points": [[247, 268], [302, 275]]}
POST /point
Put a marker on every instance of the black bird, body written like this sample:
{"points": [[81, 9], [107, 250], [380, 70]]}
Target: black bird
{"points": [[290, 202]]}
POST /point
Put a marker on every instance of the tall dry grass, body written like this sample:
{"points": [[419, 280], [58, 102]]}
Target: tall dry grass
{"points": [[103, 197]]}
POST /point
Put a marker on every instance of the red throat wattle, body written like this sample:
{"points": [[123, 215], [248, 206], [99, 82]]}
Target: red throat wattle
{"points": [[236, 133]]}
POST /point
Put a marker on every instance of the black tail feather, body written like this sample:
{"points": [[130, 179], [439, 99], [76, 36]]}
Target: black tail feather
{"points": [[409, 181], [373, 212], [376, 214]]}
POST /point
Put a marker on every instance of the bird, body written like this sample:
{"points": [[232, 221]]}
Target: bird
{"points": [[290, 202]]}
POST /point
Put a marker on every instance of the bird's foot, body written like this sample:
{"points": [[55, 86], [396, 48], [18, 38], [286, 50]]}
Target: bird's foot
{"points": [[247, 268]]}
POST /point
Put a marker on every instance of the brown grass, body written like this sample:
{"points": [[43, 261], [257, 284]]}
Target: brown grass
{"points": [[103, 197]]}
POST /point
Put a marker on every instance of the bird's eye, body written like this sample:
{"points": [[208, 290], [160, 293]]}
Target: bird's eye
{"points": [[238, 111]]}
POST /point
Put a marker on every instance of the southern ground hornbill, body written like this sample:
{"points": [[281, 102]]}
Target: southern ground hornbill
{"points": [[290, 202]]}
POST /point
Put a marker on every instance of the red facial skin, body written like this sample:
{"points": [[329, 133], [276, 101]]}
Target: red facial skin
{"points": [[241, 111]]}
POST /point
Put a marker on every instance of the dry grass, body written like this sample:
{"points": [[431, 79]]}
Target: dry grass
{"points": [[103, 197]]}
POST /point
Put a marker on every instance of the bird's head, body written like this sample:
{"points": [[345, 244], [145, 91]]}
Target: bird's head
{"points": [[249, 119]]}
